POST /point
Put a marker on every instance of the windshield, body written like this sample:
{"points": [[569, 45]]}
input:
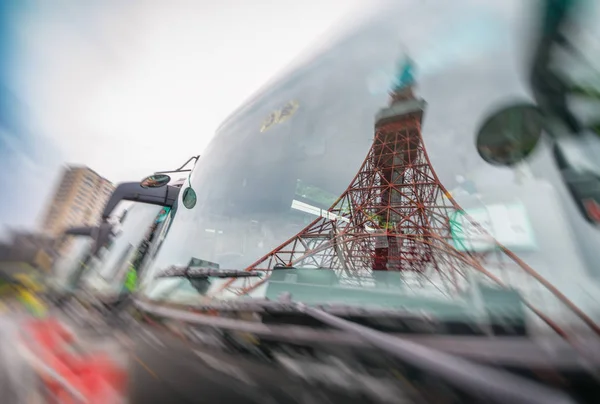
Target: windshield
{"points": [[376, 189], [106, 272]]}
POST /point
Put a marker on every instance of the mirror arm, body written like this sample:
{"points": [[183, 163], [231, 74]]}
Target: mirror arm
{"points": [[195, 158], [180, 169]]}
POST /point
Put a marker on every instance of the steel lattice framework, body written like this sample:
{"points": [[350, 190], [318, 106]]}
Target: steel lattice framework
{"points": [[396, 216]]}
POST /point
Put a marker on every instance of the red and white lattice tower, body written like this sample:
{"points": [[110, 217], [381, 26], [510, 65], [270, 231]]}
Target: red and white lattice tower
{"points": [[395, 216]]}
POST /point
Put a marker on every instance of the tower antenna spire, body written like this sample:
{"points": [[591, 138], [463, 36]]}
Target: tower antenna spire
{"points": [[404, 80]]}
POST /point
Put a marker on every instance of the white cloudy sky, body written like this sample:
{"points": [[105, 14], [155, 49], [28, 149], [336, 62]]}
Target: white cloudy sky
{"points": [[132, 87]]}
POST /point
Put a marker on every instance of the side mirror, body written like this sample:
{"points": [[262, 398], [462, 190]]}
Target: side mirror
{"points": [[510, 135], [155, 181]]}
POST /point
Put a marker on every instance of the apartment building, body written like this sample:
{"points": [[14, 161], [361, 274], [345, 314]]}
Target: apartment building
{"points": [[78, 200]]}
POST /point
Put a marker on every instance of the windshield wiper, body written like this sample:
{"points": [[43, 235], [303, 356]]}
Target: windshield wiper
{"points": [[199, 277], [493, 385], [204, 273], [263, 305], [485, 382]]}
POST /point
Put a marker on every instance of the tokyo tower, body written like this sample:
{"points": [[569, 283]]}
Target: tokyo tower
{"points": [[396, 217]]}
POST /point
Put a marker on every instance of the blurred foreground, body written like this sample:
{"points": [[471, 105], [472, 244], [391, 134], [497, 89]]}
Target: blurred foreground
{"points": [[48, 358]]}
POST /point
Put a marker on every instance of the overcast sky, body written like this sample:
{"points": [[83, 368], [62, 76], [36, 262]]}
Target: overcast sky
{"points": [[132, 87]]}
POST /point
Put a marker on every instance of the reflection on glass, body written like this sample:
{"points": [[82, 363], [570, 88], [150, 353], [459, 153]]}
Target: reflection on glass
{"points": [[256, 190], [189, 198], [155, 181], [162, 215], [510, 135], [107, 273], [508, 224], [280, 115]]}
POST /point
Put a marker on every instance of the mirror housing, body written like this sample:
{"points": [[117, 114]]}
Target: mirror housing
{"points": [[510, 135], [155, 181]]}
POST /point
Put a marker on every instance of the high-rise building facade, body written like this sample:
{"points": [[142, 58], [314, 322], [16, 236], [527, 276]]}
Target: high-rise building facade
{"points": [[78, 200]]}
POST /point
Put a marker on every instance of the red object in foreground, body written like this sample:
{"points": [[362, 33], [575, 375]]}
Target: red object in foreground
{"points": [[96, 377]]}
